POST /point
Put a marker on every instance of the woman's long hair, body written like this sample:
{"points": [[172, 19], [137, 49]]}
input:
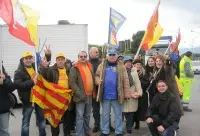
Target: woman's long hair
{"points": [[148, 68]]}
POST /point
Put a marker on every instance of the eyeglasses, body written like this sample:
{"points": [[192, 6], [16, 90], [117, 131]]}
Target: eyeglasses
{"points": [[82, 57], [112, 54]]}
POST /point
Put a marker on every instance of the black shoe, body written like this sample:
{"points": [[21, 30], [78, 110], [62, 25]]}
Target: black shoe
{"points": [[137, 125], [112, 129], [72, 130], [119, 135], [47, 122], [186, 109], [102, 134], [95, 129]]}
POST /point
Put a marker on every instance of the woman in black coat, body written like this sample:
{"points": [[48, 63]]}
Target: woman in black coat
{"points": [[149, 71], [163, 115], [167, 74], [143, 100], [6, 102]]}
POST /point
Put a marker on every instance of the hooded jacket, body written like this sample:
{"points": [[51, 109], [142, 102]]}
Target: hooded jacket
{"points": [[23, 82], [5, 90]]}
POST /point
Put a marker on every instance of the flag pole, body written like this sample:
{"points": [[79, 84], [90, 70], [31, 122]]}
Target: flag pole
{"points": [[1, 52], [140, 46], [43, 45], [36, 67], [104, 51]]}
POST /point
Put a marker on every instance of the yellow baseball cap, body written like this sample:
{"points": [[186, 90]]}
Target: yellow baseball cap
{"points": [[60, 55], [27, 54]]}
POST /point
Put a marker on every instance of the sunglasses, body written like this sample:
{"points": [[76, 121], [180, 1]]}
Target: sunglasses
{"points": [[82, 57], [112, 54]]}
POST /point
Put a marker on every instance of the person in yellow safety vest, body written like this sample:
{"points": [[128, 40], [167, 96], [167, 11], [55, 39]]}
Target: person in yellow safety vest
{"points": [[186, 78]]}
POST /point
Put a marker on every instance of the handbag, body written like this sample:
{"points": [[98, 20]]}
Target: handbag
{"points": [[12, 99]]}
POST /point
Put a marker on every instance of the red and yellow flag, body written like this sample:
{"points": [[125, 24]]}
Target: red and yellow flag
{"points": [[21, 20], [53, 98], [174, 45], [153, 32]]}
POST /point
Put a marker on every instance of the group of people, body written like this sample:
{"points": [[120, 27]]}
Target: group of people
{"points": [[136, 92]]}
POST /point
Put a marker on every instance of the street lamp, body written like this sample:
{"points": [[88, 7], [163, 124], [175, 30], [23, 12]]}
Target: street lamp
{"points": [[195, 32], [194, 39], [193, 43]]}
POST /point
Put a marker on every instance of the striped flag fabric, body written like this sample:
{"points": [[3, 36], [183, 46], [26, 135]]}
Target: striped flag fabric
{"points": [[21, 20], [52, 98], [153, 32], [174, 45]]}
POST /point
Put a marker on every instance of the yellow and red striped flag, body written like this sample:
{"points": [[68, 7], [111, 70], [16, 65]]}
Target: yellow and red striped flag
{"points": [[153, 32], [51, 97]]}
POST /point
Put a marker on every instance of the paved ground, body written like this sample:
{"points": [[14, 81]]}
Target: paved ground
{"points": [[189, 126]]}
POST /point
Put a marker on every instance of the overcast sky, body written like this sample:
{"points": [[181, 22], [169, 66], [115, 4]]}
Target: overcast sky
{"points": [[173, 14]]}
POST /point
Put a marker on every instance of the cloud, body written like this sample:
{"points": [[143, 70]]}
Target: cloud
{"points": [[187, 10]]}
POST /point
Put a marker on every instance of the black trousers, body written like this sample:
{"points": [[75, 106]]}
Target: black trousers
{"points": [[129, 121], [68, 123], [96, 112]]}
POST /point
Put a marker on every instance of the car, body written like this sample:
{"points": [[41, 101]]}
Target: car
{"points": [[196, 67]]}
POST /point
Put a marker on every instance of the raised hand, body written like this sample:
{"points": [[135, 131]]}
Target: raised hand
{"points": [[47, 49]]}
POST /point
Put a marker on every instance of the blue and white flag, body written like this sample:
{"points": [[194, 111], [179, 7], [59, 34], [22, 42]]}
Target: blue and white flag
{"points": [[115, 22]]}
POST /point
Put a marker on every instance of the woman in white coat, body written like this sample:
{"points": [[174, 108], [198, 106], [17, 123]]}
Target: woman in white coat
{"points": [[130, 104]]}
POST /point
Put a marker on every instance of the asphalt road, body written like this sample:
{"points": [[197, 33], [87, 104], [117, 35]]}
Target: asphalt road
{"points": [[189, 125]]}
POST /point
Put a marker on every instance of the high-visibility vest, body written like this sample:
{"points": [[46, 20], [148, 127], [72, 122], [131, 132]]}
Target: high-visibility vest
{"points": [[182, 67]]}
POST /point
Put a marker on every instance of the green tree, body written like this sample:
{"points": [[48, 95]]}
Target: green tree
{"points": [[137, 38]]}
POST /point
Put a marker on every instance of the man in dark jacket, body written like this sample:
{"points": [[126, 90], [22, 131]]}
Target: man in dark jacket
{"points": [[25, 78], [164, 113], [59, 74], [6, 88], [82, 84], [94, 60]]}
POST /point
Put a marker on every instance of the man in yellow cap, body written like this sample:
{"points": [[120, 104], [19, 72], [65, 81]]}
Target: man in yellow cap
{"points": [[25, 78], [59, 74]]}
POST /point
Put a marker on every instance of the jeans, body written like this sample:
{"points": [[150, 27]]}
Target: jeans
{"points": [[27, 112], [4, 123], [67, 124], [117, 108], [96, 113], [83, 111], [129, 121], [167, 132], [170, 130]]}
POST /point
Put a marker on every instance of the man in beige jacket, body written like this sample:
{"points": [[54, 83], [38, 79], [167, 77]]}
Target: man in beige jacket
{"points": [[113, 87]]}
